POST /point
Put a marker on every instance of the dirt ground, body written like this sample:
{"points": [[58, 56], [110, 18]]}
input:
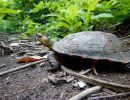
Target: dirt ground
{"points": [[33, 84]]}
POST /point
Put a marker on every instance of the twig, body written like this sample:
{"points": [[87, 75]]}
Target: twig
{"points": [[2, 52], [5, 50], [108, 91], [21, 67], [5, 47], [82, 72], [127, 94], [39, 53], [98, 94], [94, 70], [61, 96], [86, 92], [86, 71], [97, 81]]}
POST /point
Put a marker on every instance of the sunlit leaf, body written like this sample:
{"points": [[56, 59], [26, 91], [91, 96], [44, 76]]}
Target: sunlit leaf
{"points": [[72, 11], [92, 4], [38, 7], [62, 24], [77, 26], [103, 15], [7, 11]]}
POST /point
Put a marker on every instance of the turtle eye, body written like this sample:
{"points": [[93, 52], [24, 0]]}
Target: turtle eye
{"points": [[39, 35]]}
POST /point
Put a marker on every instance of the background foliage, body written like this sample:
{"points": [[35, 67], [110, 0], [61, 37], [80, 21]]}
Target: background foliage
{"points": [[57, 18]]}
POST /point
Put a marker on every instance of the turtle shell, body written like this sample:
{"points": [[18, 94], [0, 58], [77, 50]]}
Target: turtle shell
{"points": [[94, 45]]}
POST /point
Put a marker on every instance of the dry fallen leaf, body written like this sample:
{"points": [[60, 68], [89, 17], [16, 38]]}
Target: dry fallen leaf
{"points": [[26, 59]]}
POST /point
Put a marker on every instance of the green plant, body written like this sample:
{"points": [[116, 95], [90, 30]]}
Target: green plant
{"points": [[80, 16], [29, 27], [116, 10], [7, 24], [57, 18]]}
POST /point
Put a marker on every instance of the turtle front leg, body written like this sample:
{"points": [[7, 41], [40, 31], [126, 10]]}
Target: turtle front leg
{"points": [[53, 63]]}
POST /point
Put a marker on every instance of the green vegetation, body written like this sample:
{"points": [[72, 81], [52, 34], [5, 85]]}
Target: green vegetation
{"points": [[57, 18]]}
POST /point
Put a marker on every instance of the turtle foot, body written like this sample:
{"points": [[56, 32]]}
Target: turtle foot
{"points": [[54, 64]]}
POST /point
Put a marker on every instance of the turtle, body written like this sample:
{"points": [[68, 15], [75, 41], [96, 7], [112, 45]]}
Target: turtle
{"points": [[87, 48]]}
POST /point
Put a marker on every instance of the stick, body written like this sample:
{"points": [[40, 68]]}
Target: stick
{"points": [[94, 70], [108, 91], [82, 72], [86, 92], [21, 67], [86, 71], [5, 47], [97, 81], [110, 97], [39, 53]]}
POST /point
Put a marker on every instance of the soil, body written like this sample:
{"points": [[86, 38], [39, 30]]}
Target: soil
{"points": [[122, 77], [32, 83]]}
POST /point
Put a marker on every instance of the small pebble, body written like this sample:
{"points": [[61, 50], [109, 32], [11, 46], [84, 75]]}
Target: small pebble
{"points": [[80, 84]]}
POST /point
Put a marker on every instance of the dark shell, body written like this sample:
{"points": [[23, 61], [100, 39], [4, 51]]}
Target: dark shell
{"points": [[93, 45]]}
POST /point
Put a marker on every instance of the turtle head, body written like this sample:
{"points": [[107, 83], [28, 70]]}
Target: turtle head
{"points": [[44, 40]]}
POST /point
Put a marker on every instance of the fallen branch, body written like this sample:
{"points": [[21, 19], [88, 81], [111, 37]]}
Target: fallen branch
{"points": [[115, 96], [21, 67], [97, 81], [86, 92]]}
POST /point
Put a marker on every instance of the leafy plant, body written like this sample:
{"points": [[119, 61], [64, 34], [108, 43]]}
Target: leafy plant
{"points": [[77, 17], [57, 18], [7, 24]]}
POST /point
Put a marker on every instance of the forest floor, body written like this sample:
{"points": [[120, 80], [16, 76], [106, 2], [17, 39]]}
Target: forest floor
{"points": [[36, 83]]}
